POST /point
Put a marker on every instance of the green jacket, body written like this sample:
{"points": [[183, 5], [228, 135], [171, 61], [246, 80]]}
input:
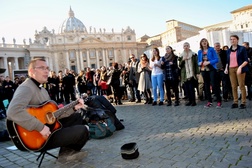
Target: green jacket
{"points": [[183, 69]]}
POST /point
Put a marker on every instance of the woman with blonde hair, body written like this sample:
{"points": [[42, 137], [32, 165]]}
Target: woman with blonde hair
{"points": [[103, 80], [81, 84]]}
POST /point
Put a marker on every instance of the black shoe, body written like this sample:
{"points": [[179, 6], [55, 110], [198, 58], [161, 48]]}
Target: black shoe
{"points": [[138, 101], [234, 106], [160, 103], [189, 104], [193, 104], [242, 106], [225, 100], [176, 103], [132, 100], [169, 104], [154, 103]]}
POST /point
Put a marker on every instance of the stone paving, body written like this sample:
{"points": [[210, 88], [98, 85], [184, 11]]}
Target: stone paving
{"points": [[182, 137]]}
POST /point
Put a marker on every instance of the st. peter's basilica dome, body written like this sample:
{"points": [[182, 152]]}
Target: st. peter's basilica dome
{"points": [[72, 24]]}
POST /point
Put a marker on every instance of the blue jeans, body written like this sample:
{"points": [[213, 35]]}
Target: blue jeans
{"points": [[157, 81]]}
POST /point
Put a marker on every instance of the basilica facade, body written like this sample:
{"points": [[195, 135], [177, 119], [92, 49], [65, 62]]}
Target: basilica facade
{"points": [[74, 47]]}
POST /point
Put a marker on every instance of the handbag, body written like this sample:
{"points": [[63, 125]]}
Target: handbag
{"points": [[99, 83], [101, 129]]}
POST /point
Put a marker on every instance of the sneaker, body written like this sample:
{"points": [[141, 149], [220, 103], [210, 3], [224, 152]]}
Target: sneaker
{"points": [[209, 104], [218, 105]]}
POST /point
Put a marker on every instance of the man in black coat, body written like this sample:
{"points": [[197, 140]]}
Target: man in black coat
{"points": [[248, 80], [68, 85], [221, 77]]}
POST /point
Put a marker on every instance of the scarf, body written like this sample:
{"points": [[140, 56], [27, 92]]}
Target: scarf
{"points": [[188, 64], [168, 57]]}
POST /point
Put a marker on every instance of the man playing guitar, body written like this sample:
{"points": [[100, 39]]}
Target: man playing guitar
{"points": [[34, 118]]}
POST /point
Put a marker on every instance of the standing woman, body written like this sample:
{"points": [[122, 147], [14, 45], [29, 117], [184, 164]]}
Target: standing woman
{"points": [[188, 62], [237, 60], [170, 66], [157, 77], [144, 84], [53, 83], [103, 81], [81, 83], [207, 59], [115, 82]]}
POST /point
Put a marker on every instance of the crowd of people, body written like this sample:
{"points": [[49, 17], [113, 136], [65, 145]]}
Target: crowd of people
{"points": [[156, 80], [214, 72]]}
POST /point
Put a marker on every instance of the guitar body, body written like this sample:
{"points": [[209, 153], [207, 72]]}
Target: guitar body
{"points": [[33, 140]]}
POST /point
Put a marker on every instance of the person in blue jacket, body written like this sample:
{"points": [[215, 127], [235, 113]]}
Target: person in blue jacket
{"points": [[207, 59]]}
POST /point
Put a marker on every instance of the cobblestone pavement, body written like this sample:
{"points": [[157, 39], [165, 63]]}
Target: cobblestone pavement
{"points": [[180, 137]]}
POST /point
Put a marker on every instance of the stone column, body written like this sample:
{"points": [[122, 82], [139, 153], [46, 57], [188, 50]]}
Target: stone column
{"points": [[77, 60], [81, 60], [107, 58], [103, 57], [56, 58], [16, 63], [67, 60], [6, 66], [97, 59], [88, 58], [115, 55]]}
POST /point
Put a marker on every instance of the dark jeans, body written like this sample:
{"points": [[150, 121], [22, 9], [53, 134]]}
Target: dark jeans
{"points": [[189, 86], [174, 85], [209, 78], [72, 135], [67, 93], [223, 78], [134, 92]]}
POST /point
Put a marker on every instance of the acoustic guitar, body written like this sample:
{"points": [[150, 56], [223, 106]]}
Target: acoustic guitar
{"points": [[47, 113]]}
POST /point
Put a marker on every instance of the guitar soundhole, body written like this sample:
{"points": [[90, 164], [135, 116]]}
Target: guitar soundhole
{"points": [[50, 118]]}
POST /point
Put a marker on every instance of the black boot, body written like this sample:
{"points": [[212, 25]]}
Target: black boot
{"points": [[150, 101]]}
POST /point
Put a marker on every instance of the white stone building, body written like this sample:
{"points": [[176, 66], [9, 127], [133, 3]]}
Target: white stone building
{"points": [[241, 25]]}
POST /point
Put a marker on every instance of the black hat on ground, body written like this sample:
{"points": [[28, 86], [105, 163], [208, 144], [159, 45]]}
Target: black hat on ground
{"points": [[129, 151]]}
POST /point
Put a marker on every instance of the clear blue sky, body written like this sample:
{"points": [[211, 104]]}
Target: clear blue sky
{"points": [[20, 18]]}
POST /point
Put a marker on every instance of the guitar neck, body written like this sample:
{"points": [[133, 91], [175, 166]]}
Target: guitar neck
{"points": [[65, 108]]}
